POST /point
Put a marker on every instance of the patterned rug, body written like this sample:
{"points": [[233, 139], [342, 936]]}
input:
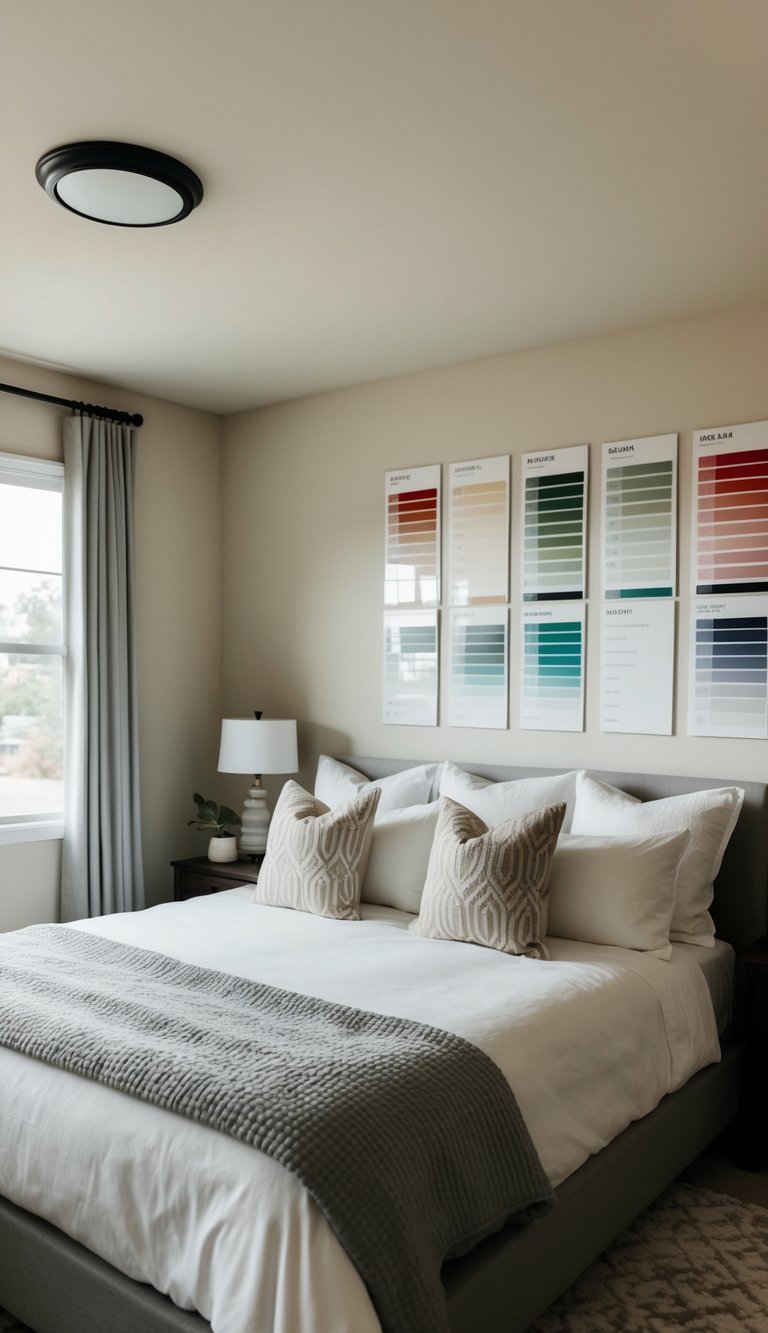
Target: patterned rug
{"points": [[695, 1260]]}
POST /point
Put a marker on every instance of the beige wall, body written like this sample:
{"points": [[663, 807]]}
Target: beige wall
{"points": [[178, 571], [302, 546], [303, 531]]}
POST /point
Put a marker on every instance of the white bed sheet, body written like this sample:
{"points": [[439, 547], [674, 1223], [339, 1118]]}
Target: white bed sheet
{"points": [[718, 967], [588, 1041]]}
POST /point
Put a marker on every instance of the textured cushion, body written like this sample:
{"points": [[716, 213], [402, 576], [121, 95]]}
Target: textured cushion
{"points": [[397, 868], [488, 886], [316, 857], [710, 817], [496, 801], [616, 890], [336, 782]]}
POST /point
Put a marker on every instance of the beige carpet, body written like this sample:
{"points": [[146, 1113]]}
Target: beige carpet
{"points": [[696, 1260]]}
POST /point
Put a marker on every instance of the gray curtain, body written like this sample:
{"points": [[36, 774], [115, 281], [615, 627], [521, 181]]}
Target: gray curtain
{"points": [[101, 860]]}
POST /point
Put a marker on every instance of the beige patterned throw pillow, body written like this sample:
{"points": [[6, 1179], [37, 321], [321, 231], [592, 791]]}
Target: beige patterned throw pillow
{"points": [[316, 857], [489, 886]]}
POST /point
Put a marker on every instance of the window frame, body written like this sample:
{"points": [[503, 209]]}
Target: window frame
{"points": [[44, 475]]}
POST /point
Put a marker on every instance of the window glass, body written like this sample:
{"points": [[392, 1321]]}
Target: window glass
{"points": [[30, 607], [30, 527], [31, 735], [31, 641]]}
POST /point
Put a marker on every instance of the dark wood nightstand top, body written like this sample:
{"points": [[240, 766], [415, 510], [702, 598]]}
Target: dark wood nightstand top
{"points": [[196, 875], [241, 871]]}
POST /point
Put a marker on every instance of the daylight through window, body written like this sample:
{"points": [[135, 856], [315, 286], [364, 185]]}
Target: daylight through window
{"points": [[32, 647]]}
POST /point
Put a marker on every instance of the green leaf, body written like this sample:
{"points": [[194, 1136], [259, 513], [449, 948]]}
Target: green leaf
{"points": [[227, 816]]}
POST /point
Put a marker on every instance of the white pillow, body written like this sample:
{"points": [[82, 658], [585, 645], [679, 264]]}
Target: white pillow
{"points": [[495, 802], [709, 815], [397, 866], [616, 890], [337, 782]]}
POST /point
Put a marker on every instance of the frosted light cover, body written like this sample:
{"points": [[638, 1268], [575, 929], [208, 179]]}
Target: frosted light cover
{"points": [[122, 197]]}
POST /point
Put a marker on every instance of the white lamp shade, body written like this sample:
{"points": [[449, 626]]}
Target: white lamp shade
{"points": [[249, 745]]}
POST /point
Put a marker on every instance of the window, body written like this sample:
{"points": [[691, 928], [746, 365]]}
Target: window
{"points": [[32, 648]]}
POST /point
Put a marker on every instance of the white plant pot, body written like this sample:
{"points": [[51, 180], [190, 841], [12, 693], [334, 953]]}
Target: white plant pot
{"points": [[222, 849]]}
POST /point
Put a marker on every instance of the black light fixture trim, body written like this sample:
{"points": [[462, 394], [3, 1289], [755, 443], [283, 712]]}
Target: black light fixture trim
{"points": [[103, 155]]}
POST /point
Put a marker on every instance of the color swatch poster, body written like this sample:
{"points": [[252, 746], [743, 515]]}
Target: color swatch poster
{"points": [[640, 518], [554, 524], [412, 559], [637, 646], [730, 532], [478, 691], [478, 532], [552, 670], [729, 657], [410, 668]]}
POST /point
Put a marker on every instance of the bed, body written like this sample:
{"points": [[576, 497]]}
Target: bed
{"points": [[53, 1283]]}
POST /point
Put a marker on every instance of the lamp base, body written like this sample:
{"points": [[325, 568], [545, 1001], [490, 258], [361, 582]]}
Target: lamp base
{"points": [[255, 827]]}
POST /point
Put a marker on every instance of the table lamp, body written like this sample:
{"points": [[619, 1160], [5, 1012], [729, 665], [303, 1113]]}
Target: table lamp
{"points": [[250, 745]]}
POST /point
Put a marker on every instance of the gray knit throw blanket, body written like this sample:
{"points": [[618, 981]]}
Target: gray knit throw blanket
{"points": [[408, 1138]]}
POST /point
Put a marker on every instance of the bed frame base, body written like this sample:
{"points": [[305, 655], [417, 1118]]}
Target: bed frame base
{"points": [[54, 1285]]}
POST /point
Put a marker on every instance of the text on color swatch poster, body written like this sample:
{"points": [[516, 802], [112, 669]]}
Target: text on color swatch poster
{"points": [[412, 541], [640, 518], [478, 584], [730, 501], [552, 668], [728, 693], [553, 524]]}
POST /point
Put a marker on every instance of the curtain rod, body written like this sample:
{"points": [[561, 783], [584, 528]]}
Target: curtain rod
{"points": [[109, 413]]}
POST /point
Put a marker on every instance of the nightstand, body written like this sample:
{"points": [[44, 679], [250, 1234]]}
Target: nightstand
{"points": [[751, 1147], [197, 875]]}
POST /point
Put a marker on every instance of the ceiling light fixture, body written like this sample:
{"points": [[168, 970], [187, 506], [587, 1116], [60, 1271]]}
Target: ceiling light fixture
{"points": [[120, 184]]}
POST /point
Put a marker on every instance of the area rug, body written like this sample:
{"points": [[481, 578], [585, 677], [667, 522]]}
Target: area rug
{"points": [[695, 1260]]}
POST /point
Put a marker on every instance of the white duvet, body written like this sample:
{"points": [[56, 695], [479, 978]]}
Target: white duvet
{"points": [[588, 1041]]}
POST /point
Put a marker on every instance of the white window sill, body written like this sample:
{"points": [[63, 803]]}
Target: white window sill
{"points": [[32, 831]]}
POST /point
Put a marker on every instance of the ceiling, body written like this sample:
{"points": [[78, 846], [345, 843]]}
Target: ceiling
{"points": [[390, 185]]}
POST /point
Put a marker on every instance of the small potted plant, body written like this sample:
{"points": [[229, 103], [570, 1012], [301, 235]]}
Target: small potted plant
{"points": [[218, 820]]}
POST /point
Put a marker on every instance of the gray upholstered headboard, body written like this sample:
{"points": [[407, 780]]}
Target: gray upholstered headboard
{"points": [[741, 889]]}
